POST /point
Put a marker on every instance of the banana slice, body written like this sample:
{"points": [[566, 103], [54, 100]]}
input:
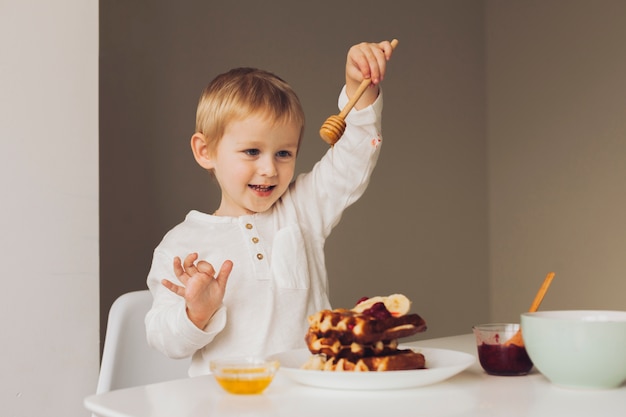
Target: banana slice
{"points": [[365, 304], [397, 304]]}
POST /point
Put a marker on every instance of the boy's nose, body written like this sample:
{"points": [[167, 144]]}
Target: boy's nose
{"points": [[267, 167]]}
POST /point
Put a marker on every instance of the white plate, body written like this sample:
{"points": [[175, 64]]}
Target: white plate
{"points": [[441, 364]]}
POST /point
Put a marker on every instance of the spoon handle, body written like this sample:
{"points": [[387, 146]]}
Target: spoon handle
{"points": [[541, 293], [517, 338]]}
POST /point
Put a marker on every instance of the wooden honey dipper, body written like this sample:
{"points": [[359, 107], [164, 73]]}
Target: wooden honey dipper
{"points": [[335, 125]]}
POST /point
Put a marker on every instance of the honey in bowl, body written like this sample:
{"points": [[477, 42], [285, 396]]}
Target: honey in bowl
{"points": [[244, 375]]}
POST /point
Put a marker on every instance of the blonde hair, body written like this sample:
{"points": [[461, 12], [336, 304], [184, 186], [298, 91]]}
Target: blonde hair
{"points": [[241, 92]]}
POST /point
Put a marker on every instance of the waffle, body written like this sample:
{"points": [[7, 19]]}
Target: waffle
{"points": [[349, 326], [396, 361], [363, 339], [333, 347]]}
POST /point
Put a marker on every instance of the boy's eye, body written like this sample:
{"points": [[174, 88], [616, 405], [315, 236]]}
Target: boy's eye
{"points": [[251, 152], [283, 154]]}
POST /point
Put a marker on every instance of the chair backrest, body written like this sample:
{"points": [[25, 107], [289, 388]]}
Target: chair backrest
{"points": [[127, 359]]}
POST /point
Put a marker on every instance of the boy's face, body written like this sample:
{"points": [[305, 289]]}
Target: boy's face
{"points": [[254, 163]]}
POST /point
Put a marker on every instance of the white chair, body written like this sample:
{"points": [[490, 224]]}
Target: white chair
{"points": [[127, 360]]}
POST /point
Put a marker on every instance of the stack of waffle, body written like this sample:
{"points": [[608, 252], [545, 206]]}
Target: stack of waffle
{"points": [[364, 338]]}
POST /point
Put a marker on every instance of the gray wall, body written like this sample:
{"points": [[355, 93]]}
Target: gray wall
{"points": [[557, 152], [421, 228]]}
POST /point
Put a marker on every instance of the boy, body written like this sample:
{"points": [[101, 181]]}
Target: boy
{"points": [[268, 233]]}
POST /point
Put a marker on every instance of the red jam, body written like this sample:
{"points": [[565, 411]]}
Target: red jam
{"points": [[504, 360], [378, 311]]}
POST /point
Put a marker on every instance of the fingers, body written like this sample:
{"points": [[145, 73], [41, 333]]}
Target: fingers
{"points": [[377, 61], [222, 276], [205, 268], [387, 49], [178, 269], [176, 289], [370, 59], [189, 266]]}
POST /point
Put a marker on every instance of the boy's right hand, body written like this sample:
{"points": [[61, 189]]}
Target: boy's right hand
{"points": [[202, 290]]}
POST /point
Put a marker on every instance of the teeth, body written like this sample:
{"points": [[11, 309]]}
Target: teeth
{"points": [[262, 187], [397, 304]]}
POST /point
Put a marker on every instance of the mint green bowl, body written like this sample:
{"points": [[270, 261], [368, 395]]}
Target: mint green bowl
{"points": [[578, 348]]}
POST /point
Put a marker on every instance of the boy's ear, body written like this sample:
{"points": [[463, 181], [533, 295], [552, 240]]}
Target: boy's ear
{"points": [[201, 151]]}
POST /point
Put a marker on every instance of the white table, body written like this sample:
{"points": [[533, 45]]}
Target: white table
{"points": [[471, 393]]}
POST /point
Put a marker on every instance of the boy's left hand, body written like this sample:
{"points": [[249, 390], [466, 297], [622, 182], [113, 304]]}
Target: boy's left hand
{"points": [[367, 60]]}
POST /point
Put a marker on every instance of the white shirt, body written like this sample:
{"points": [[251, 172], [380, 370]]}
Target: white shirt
{"points": [[279, 273]]}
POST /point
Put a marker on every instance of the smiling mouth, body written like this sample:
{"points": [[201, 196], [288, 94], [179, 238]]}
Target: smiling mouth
{"points": [[262, 188]]}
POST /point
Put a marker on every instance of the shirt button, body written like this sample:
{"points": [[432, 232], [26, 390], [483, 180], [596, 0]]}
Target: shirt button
{"points": [[248, 226], [255, 240], [259, 256]]}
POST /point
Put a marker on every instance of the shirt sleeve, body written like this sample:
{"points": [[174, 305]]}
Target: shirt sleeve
{"points": [[342, 175]]}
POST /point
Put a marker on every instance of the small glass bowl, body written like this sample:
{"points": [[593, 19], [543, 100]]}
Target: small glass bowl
{"points": [[246, 375], [495, 356]]}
